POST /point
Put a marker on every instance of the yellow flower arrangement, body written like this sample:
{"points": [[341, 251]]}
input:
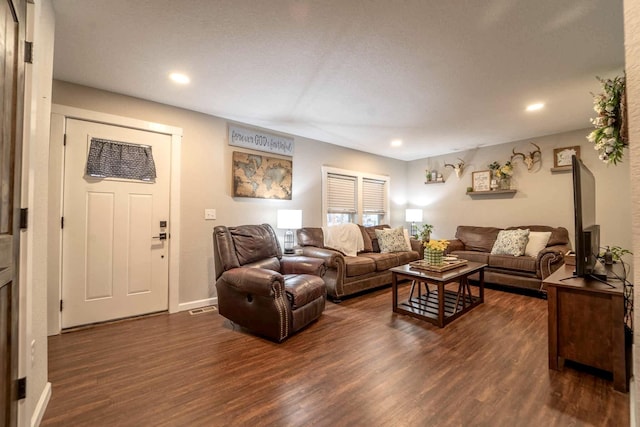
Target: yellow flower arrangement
{"points": [[437, 245], [501, 171]]}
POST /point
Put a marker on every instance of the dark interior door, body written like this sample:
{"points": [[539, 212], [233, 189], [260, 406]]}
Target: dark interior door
{"points": [[12, 14]]}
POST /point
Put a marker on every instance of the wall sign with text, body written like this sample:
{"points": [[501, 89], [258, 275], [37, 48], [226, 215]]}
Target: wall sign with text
{"points": [[481, 180], [261, 141]]}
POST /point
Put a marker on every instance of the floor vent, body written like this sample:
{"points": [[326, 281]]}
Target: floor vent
{"points": [[202, 310]]}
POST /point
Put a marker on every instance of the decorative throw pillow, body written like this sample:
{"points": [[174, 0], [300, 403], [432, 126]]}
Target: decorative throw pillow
{"points": [[371, 230], [391, 240], [407, 239], [537, 241], [510, 242]]}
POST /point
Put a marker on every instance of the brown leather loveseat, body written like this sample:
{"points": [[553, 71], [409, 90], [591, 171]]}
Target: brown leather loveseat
{"points": [[259, 289], [525, 272]]}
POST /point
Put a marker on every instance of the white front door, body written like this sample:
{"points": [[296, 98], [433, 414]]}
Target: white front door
{"points": [[113, 263]]}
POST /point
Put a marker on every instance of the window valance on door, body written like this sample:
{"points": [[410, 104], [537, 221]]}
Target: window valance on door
{"points": [[114, 159]]}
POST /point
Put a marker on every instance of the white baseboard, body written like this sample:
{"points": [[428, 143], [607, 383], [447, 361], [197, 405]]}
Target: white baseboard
{"points": [[38, 412], [197, 304]]}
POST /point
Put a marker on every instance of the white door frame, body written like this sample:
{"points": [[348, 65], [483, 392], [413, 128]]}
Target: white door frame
{"points": [[59, 114]]}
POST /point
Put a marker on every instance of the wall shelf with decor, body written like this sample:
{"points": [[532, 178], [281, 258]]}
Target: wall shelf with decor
{"points": [[434, 182], [561, 169], [491, 192]]}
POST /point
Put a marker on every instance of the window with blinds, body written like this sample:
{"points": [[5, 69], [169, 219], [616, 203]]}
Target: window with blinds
{"points": [[373, 196], [341, 193], [350, 196]]}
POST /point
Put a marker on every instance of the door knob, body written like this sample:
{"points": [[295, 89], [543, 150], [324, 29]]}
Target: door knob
{"points": [[161, 236]]}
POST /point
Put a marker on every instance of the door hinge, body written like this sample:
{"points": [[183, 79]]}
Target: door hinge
{"points": [[64, 140], [28, 52], [24, 213], [22, 388], [61, 222], [60, 305]]}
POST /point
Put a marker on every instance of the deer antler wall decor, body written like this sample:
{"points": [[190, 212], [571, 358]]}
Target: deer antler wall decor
{"points": [[529, 159], [457, 168]]}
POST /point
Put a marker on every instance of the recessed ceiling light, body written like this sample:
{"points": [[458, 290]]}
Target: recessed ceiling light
{"points": [[396, 143], [179, 78], [535, 107]]}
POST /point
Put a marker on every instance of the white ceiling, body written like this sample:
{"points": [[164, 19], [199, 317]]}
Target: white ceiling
{"points": [[442, 75]]}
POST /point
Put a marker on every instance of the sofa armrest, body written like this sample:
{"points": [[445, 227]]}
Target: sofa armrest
{"points": [[303, 265], [330, 257], [550, 259], [336, 268], [454, 245], [257, 281]]}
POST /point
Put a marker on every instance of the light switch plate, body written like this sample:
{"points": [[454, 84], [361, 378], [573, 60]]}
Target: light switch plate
{"points": [[209, 214]]}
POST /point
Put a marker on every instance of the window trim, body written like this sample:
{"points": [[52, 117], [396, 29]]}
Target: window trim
{"points": [[360, 176]]}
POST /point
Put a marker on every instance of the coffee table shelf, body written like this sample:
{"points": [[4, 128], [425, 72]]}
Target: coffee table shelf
{"points": [[427, 304], [439, 306]]}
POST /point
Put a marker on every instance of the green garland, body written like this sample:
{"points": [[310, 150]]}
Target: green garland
{"points": [[609, 137]]}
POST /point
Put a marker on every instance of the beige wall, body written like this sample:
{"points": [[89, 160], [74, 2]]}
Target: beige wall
{"points": [[543, 197], [206, 178], [632, 60]]}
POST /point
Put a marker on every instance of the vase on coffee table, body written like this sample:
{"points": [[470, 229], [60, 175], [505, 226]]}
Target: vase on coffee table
{"points": [[433, 256]]}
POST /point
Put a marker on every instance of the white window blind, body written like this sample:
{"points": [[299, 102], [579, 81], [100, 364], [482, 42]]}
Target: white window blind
{"points": [[341, 193], [373, 196]]}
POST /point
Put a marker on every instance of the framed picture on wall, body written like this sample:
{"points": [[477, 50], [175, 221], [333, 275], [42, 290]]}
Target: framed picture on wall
{"points": [[481, 180], [261, 177], [562, 156]]}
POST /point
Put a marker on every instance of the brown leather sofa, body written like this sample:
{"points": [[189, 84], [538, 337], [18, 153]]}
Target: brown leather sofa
{"points": [[348, 275], [523, 272], [259, 289]]}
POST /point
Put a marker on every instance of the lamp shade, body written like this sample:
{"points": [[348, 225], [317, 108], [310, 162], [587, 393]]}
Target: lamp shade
{"points": [[289, 219], [413, 215]]}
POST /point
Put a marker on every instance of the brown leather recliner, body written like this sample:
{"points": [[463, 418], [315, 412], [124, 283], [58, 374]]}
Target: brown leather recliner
{"points": [[259, 289]]}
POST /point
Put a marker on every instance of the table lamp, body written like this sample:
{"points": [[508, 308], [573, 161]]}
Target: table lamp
{"points": [[413, 216], [289, 219]]}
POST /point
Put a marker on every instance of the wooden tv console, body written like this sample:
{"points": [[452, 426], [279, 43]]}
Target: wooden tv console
{"points": [[586, 324]]}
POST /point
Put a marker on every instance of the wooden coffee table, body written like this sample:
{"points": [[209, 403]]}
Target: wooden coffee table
{"points": [[438, 306]]}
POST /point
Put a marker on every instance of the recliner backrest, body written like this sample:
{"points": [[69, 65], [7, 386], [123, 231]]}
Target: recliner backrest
{"points": [[244, 244]]}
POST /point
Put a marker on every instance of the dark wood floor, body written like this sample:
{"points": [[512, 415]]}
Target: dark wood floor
{"points": [[358, 365]]}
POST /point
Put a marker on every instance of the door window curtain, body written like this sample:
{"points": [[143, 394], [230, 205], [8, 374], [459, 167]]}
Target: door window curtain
{"points": [[114, 159]]}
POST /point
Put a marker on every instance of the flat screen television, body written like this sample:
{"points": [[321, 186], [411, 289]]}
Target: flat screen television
{"points": [[587, 238]]}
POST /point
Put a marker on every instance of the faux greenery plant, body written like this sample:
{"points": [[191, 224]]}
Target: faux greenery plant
{"points": [[424, 233], [610, 135], [618, 252]]}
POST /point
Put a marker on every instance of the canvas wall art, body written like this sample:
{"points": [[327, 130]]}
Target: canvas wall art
{"points": [[261, 177]]}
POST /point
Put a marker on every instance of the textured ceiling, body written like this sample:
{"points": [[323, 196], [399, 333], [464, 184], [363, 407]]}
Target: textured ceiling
{"points": [[442, 76]]}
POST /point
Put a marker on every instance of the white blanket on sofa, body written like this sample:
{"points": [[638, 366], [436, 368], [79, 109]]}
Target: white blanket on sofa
{"points": [[346, 238]]}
